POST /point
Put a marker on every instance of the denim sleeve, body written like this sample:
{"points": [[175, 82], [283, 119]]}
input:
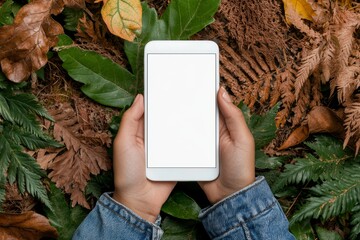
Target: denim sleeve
{"points": [[251, 213], [112, 220]]}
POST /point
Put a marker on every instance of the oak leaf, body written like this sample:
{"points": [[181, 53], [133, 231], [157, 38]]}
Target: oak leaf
{"points": [[300, 7], [29, 225], [123, 18], [24, 44]]}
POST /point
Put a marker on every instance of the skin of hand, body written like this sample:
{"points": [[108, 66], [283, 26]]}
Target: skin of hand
{"points": [[237, 152], [132, 188]]}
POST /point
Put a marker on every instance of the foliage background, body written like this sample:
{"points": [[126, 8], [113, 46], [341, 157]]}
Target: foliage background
{"points": [[71, 68]]}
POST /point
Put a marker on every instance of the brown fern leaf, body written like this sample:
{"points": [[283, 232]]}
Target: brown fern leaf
{"points": [[308, 65], [352, 124], [71, 169], [286, 88], [347, 83], [302, 104]]}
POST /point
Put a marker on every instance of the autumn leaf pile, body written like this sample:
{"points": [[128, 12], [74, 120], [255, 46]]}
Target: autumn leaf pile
{"points": [[305, 59]]}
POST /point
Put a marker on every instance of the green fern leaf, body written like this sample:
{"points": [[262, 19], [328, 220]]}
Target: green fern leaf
{"points": [[355, 222], [22, 168], [2, 189], [330, 161], [21, 137], [28, 104], [71, 18], [333, 197]]}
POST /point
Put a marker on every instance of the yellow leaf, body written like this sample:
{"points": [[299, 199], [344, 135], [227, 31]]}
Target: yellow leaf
{"points": [[300, 7], [123, 17]]}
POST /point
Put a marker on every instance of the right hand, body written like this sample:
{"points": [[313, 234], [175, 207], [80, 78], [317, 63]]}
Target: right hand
{"points": [[237, 152]]}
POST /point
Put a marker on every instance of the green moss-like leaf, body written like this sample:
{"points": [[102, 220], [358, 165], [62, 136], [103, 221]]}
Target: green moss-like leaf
{"points": [[302, 231], [62, 216], [181, 206]]}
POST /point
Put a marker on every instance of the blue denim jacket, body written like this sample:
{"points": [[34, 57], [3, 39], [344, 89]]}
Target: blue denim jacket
{"points": [[251, 213]]}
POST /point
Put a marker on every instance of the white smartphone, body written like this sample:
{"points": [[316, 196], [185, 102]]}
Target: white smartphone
{"points": [[181, 80]]}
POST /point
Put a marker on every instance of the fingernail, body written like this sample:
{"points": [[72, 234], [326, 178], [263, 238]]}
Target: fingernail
{"points": [[226, 96], [136, 98]]}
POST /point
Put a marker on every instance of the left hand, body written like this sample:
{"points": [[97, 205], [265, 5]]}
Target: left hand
{"points": [[132, 188]]}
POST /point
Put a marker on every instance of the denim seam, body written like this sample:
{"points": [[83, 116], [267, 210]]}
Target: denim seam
{"points": [[215, 206], [243, 223], [126, 220], [262, 211]]}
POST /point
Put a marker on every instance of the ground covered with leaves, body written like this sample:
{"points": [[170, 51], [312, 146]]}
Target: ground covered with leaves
{"points": [[70, 68]]}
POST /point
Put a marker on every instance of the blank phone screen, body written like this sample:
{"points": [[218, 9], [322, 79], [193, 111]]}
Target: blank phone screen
{"points": [[181, 110]]}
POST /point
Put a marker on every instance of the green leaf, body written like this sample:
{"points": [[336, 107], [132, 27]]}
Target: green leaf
{"points": [[263, 161], [355, 222], [186, 17], [22, 168], [6, 15], [176, 229], [71, 18], [64, 41], [105, 81], [103, 182], [181, 206], [302, 231], [333, 197], [325, 234], [20, 137], [62, 216], [328, 165], [262, 127], [2, 188]]}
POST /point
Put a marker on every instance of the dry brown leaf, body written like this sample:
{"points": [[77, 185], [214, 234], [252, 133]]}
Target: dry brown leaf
{"points": [[26, 226], [300, 7], [319, 120], [80, 4], [25, 43], [84, 154]]}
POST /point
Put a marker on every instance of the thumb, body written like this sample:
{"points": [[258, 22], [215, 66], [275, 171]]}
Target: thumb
{"points": [[233, 117], [132, 117]]}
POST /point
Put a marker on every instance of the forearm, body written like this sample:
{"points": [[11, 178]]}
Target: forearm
{"points": [[251, 213], [112, 220]]}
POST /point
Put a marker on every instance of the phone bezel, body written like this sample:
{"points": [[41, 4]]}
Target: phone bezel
{"points": [[182, 173]]}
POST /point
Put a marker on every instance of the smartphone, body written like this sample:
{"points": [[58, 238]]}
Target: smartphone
{"points": [[181, 80]]}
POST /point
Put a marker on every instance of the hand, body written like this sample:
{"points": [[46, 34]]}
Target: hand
{"points": [[132, 188], [237, 152]]}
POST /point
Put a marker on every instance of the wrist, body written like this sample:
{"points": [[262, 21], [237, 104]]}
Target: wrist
{"points": [[139, 206]]}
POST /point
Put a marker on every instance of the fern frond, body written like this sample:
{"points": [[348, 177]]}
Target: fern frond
{"points": [[347, 82], [23, 169], [355, 222], [2, 189], [22, 137], [328, 55], [352, 125], [72, 17], [28, 104], [327, 165], [308, 65], [333, 197]]}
